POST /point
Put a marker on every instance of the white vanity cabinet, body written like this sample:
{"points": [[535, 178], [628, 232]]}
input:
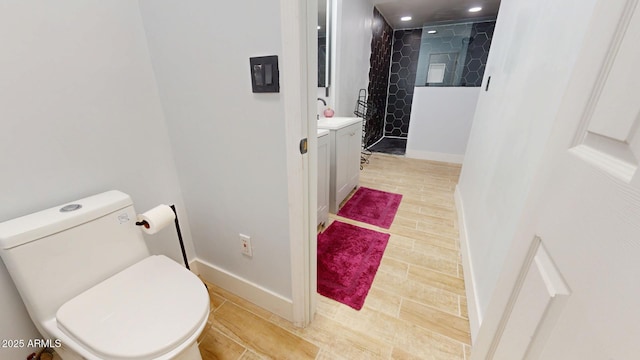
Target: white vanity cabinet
{"points": [[324, 156], [345, 138]]}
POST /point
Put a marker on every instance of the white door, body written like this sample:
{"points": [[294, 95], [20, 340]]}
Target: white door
{"points": [[571, 288]]}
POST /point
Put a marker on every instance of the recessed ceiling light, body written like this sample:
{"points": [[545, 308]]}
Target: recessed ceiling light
{"points": [[475, 9], [432, 31], [405, 18]]}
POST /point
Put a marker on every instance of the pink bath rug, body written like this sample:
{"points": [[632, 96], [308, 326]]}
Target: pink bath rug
{"points": [[371, 206], [348, 259]]}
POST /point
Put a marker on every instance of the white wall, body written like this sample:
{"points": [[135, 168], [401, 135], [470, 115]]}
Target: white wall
{"points": [[80, 115], [440, 123], [532, 53], [352, 50], [229, 143]]}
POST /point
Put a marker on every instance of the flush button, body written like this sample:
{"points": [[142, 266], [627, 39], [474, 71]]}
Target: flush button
{"points": [[70, 207]]}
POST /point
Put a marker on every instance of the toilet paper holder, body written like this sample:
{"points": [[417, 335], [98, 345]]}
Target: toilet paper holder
{"points": [[146, 225], [143, 223]]}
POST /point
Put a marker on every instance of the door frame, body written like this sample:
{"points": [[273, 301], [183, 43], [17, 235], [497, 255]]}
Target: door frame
{"points": [[299, 84]]}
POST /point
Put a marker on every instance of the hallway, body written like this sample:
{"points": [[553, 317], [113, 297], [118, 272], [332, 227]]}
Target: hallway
{"points": [[416, 308]]}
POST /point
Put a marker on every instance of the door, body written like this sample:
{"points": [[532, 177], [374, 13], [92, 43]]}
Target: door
{"points": [[571, 289]]}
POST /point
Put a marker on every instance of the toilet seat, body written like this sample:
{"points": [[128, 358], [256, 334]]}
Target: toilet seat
{"points": [[142, 312]]}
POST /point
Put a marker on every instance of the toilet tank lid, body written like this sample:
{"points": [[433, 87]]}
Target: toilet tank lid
{"points": [[43, 223]]}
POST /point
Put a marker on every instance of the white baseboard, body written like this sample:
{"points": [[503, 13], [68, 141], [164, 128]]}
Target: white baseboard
{"points": [[475, 316], [245, 289], [193, 266], [434, 156]]}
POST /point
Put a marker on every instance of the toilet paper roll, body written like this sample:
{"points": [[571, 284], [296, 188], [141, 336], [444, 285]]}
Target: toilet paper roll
{"points": [[157, 218]]}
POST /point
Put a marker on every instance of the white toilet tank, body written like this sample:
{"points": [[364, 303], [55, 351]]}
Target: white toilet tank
{"points": [[56, 254]]}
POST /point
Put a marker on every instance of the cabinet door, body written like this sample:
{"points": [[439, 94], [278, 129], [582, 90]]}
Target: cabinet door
{"points": [[355, 139], [343, 163], [323, 178]]}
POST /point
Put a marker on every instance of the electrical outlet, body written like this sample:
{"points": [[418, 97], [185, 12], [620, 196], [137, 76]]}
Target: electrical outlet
{"points": [[245, 242]]}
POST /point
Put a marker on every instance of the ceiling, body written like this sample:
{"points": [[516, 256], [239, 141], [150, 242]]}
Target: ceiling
{"points": [[430, 11]]}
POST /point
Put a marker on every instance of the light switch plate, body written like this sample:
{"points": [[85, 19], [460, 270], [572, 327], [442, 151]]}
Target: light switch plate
{"points": [[265, 75]]}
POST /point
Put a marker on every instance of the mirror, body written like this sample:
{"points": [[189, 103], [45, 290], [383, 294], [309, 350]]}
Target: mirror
{"points": [[323, 43]]}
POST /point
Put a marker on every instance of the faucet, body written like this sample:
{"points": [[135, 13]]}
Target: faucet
{"points": [[324, 103]]}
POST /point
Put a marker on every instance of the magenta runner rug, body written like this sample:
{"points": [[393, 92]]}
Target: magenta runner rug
{"points": [[371, 206], [348, 259]]}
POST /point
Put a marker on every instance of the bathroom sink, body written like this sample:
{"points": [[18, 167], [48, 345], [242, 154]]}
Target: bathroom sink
{"points": [[336, 123]]}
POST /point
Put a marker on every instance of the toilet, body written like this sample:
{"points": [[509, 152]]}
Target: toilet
{"points": [[91, 286]]}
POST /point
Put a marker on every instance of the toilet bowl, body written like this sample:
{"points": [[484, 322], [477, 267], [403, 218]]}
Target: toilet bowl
{"points": [[90, 285]]}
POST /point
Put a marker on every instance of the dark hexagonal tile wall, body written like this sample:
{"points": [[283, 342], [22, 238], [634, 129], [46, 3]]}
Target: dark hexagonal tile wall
{"points": [[392, 76], [381, 42], [477, 53], [445, 46], [447, 41], [404, 62]]}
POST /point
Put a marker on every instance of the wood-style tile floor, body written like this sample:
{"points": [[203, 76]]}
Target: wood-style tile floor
{"points": [[416, 308]]}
